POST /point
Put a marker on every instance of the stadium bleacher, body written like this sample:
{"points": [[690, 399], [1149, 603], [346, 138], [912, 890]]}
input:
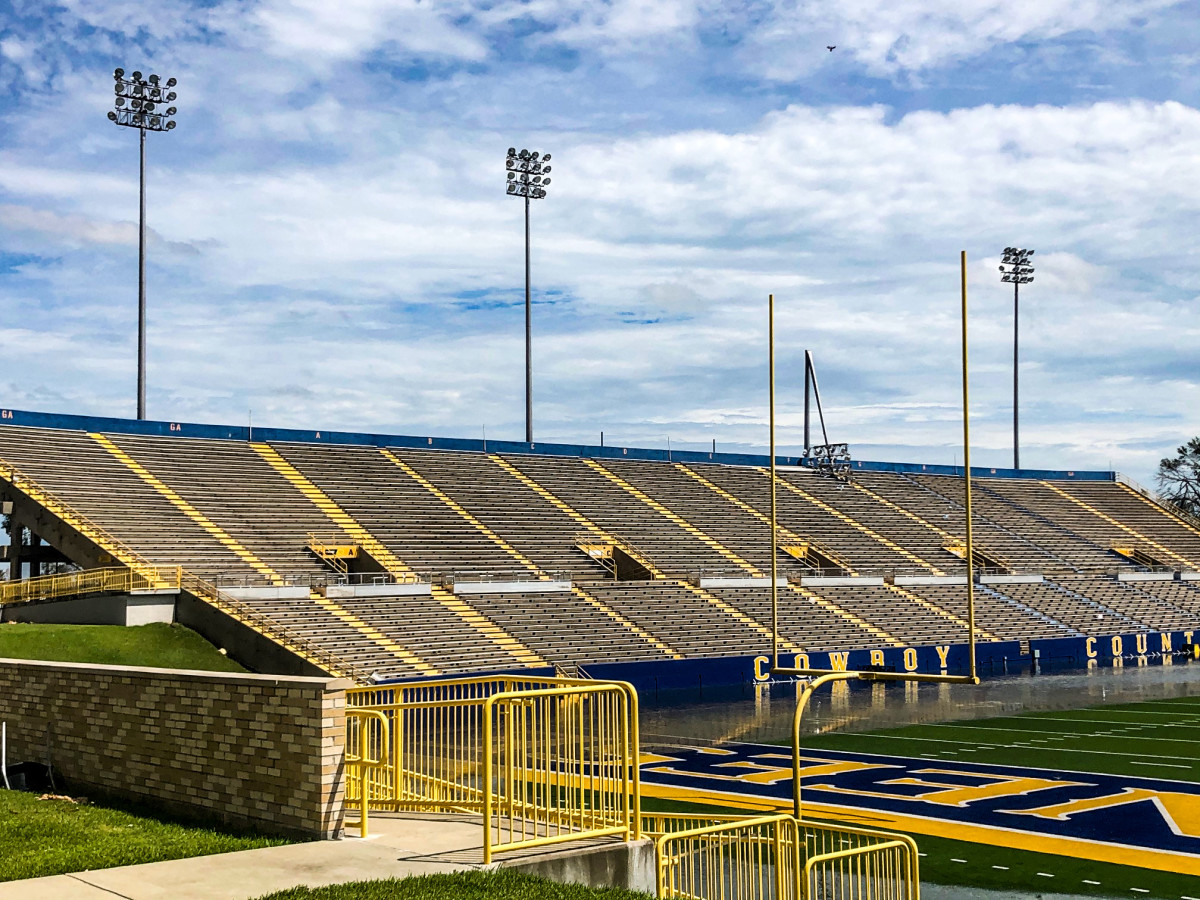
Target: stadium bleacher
{"points": [[242, 513]]}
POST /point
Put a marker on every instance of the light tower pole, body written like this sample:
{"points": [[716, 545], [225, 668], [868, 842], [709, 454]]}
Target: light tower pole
{"points": [[526, 178], [1017, 269], [138, 105]]}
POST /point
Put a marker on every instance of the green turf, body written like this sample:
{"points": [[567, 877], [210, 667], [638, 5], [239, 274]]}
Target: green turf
{"points": [[1022, 870], [501, 884], [51, 837], [1157, 739], [158, 646]]}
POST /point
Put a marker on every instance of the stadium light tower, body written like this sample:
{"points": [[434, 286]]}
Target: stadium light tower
{"points": [[527, 177], [142, 104], [1017, 269]]}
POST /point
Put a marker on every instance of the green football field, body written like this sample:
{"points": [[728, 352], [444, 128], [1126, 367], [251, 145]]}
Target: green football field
{"points": [[1155, 739]]}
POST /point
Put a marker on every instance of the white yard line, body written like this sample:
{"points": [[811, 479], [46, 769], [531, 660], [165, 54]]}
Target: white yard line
{"points": [[1027, 747], [1163, 764]]}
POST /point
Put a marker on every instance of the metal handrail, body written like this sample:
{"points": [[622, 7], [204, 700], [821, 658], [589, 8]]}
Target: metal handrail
{"points": [[281, 634], [637, 554], [521, 576], [359, 761], [16, 477], [771, 857], [317, 580], [485, 744], [88, 581]]}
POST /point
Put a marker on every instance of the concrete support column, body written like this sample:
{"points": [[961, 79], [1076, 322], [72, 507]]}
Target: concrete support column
{"points": [[16, 534]]}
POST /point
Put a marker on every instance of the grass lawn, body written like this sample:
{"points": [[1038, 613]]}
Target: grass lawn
{"points": [[51, 837], [158, 645], [500, 884]]}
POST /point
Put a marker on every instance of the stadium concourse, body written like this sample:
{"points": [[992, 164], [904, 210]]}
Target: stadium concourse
{"points": [[401, 557]]}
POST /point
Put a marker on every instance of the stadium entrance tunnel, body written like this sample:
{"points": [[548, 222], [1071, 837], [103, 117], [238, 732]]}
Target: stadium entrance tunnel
{"points": [[619, 559], [1141, 557], [984, 561]]}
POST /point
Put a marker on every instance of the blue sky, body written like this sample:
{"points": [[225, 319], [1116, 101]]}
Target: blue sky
{"points": [[331, 245]]}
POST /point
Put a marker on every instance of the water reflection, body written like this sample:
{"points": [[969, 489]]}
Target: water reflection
{"points": [[763, 713]]}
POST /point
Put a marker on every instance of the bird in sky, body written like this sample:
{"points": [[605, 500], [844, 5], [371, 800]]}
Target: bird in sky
{"points": [[831, 49]]}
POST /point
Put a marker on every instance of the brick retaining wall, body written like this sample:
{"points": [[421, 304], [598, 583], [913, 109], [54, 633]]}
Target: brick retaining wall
{"points": [[259, 750]]}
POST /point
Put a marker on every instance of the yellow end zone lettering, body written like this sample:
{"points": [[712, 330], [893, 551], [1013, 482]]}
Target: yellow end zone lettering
{"points": [[945, 794], [1180, 811]]}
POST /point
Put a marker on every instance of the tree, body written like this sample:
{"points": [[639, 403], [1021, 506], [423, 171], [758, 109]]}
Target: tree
{"points": [[1179, 478]]}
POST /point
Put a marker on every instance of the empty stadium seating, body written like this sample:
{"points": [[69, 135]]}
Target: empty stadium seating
{"points": [[996, 613], [239, 513]]}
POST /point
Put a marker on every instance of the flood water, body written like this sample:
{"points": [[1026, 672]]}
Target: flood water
{"points": [[763, 713]]}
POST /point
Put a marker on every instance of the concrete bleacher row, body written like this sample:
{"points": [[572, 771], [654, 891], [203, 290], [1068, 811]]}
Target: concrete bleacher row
{"points": [[565, 631], [233, 510]]}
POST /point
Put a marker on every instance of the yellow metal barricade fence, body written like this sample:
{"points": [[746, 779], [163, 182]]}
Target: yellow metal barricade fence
{"points": [[543, 760], [90, 581], [367, 749], [780, 858]]}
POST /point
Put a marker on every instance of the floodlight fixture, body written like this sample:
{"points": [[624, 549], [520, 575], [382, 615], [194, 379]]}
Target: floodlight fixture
{"points": [[528, 177], [138, 104], [1016, 268]]}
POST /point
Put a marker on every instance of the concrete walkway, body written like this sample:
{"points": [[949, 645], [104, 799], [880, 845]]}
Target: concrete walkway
{"points": [[398, 846]]}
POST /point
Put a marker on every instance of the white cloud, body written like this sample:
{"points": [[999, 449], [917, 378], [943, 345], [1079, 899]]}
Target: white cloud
{"points": [[888, 37], [337, 248], [71, 229], [317, 29]]}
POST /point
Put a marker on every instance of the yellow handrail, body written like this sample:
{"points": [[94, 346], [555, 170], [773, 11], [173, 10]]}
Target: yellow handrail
{"points": [[280, 634], [543, 760], [360, 763], [89, 581], [71, 516], [779, 856]]}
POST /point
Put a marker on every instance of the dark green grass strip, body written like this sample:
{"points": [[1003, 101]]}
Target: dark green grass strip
{"points": [[52, 837], [159, 646], [501, 884], [1020, 870]]}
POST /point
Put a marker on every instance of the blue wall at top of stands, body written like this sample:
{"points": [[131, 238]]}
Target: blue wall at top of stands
{"points": [[243, 433]]}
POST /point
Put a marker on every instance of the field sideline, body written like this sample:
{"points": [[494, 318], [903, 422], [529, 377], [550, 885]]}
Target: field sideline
{"points": [[1134, 750]]}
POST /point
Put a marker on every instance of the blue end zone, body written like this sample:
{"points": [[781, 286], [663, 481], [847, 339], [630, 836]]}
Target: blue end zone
{"points": [[1120, 810], [293, 435]]}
